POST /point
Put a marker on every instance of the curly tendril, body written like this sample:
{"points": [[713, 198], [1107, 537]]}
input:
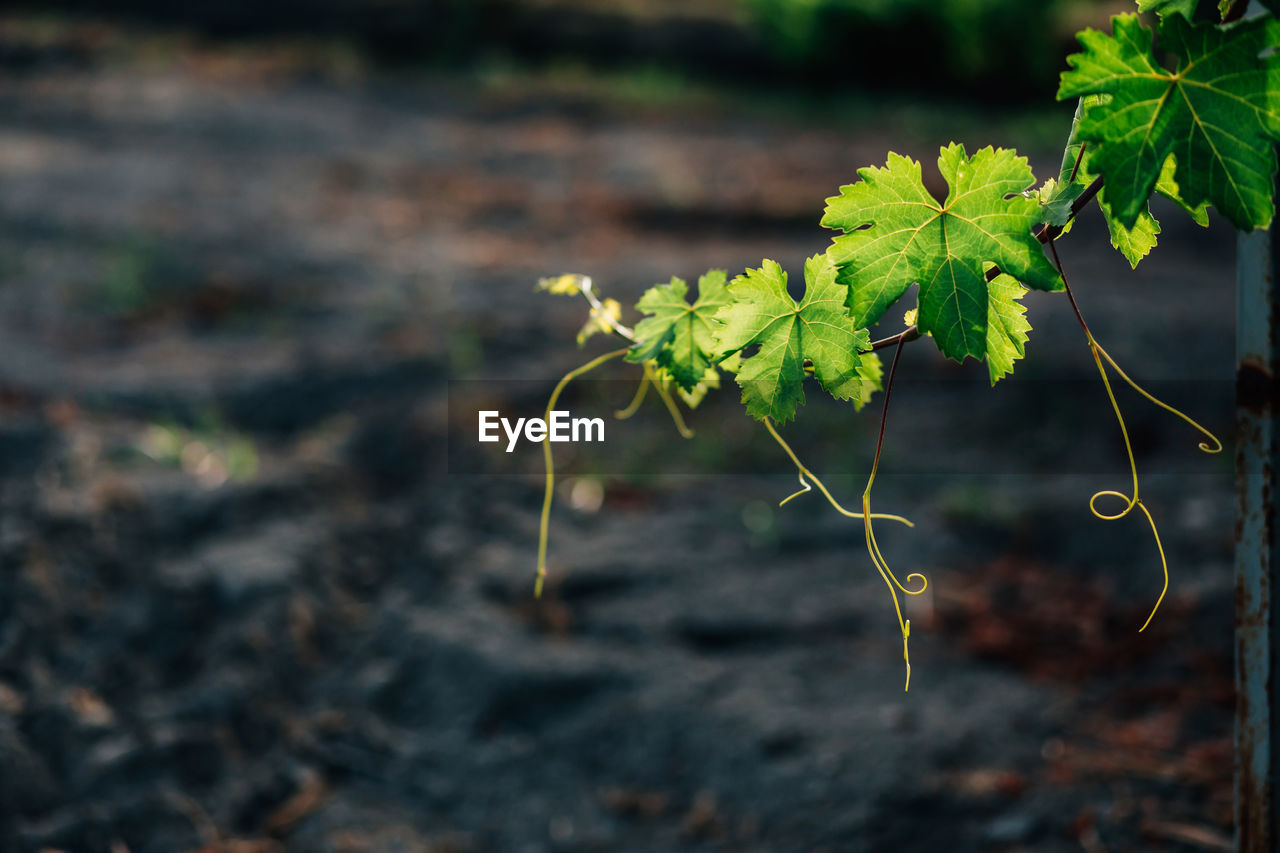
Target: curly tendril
{"points": [[1214, 445], [873, 548]]}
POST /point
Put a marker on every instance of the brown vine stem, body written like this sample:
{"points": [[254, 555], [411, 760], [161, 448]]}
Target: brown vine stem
{"points": [[1076, 168], [904, 337]]}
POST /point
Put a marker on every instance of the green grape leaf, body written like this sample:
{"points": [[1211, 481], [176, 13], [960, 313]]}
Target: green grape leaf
{"points": [[680, 336], [1165, 184], [1137, 242], [1218, 114], [1007, 325], [818, 330], [1134, 243], [897, 233]]}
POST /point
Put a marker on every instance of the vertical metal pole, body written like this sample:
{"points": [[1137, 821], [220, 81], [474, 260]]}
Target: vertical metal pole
{"points": [[1257, 738]]}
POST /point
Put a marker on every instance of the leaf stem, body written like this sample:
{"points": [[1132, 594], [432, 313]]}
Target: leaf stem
{"points": [[619, 329]]}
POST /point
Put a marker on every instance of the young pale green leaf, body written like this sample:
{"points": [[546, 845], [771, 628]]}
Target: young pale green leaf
{"points": [[1056, 199], [1218, 114], [601, 320], [680, 336], [1007, 326], [818, 330], [569, 284], [897, 233]]}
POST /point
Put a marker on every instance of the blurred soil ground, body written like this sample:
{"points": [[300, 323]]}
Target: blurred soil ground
{"points": [[259, 593]]}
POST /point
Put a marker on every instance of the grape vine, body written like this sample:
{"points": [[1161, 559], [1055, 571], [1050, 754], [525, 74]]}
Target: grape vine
{"points": [[1201, 133]]}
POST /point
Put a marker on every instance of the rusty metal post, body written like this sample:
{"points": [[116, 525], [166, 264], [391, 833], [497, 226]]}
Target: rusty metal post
{"points": [[1257, 738]]}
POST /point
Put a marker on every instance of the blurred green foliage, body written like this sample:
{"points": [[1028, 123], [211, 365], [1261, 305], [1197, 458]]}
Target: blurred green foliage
{"points": [[938, 44], [1010, 49]]}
